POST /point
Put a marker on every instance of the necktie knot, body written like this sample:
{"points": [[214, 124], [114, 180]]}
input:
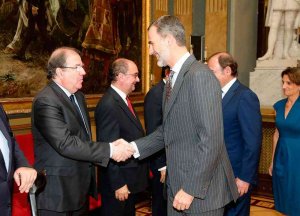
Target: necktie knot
{"points": [[72, 98]]}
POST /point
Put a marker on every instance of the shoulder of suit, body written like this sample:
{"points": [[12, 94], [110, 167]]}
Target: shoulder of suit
{"points": [[108, 101], [245, 92]]}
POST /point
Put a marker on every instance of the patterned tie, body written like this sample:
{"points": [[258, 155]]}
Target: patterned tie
{"points": [[130, 106], [169, 85], [72, 98]]}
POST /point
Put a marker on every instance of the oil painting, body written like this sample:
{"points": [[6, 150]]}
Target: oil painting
{"points": [[101, 30]]}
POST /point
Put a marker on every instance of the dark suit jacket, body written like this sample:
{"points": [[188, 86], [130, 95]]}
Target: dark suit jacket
{"points": [[242, 131], [64, 149], [113, 121], [153, 118], [192, 134], [16, 160]]}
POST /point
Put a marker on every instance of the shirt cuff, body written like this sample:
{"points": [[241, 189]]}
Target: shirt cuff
{"points": [[136, 153], [163, 168], [111, 147]]}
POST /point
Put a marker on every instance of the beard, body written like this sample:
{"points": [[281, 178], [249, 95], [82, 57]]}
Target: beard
{"points": [[161, 62]]}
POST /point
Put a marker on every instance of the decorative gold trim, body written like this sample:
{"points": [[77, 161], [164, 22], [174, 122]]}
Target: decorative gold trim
{"points": [[145, 47]]}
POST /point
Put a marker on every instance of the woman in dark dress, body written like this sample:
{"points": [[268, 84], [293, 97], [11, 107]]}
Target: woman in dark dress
{"points": [[285, 166]]}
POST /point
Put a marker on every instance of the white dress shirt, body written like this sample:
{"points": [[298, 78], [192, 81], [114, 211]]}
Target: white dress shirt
{"points": [[226, 88], [177, 67], [4, 149]]}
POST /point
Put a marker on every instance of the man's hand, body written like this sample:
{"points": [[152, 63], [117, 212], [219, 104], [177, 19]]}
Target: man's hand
{"points": [[182, 200], [242, 186], [122, 193], [163, 176], [121, 150], [24, 178]]}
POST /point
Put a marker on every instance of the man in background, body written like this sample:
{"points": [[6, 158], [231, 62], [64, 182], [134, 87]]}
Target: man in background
{"points": [[242, 129], [116, 118], [153, 110], [62, 139], [13, 165]]}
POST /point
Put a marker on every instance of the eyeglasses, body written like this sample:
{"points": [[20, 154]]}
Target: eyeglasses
{"points": [[78, 68], [135, 75]]}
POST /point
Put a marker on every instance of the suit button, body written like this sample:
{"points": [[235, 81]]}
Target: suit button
{"points": [[167, 146]]}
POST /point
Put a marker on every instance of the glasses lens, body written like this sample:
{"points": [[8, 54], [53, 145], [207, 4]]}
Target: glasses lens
{"points": [[79, 68]]}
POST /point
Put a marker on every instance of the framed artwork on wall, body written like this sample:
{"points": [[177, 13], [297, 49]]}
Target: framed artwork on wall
{"points": [[102, 30]]}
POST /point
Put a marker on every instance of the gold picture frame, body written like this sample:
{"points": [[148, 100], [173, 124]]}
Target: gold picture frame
{"points": [[18, 106]]}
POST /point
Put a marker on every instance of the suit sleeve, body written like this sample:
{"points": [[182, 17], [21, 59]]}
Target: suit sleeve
{"points": [[206, 111], [151, 144], [108, 130], [54, 123], [18, 156], [251, 127]]}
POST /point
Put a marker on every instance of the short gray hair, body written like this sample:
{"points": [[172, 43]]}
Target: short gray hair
{"points": [[170, 25]]}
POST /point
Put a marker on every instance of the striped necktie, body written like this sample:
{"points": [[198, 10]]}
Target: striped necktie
{"points": [[73, 100], [169, 85]]}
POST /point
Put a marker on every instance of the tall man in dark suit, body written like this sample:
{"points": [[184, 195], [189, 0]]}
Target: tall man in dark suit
{"points": [[13, 165], [242, 129], [200, 179], [153, 111], [116, 118], [62, 139]]}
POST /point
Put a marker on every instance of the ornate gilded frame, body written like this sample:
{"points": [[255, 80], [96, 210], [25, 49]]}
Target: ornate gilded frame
{"points": [[19, 106]]}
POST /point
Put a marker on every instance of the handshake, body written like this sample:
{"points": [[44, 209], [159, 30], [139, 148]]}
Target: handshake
{"points": [[121, 150]]}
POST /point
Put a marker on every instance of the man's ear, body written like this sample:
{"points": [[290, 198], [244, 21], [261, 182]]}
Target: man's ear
{"points": [[170, 39], [227, 70], [58, 72]]}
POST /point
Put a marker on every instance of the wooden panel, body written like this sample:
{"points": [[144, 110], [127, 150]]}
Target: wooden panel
{"points": [[215, 26], [160, 9], [183, 9]]}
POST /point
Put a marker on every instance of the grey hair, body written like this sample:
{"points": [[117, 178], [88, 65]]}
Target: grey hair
{"points": [[170, 25]]}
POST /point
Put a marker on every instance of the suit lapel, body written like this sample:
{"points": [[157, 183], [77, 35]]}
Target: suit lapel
{"points": [[67, 102], [126, 110], [180, 78], [231, 92]]}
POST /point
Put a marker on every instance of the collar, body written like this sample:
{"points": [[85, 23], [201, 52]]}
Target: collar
{"points": [[122, 94], [64, 89], [227, 86], [177, 67]]}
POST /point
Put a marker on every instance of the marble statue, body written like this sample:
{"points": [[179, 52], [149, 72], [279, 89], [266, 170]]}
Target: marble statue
{"points": [[283, 18]]}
